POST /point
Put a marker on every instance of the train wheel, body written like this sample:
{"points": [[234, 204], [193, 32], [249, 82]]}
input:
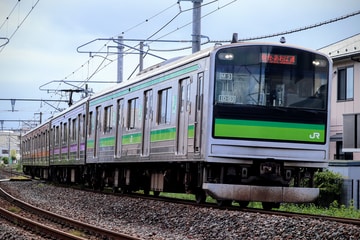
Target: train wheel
{"points": [[114, 189], [124, 190], [156, 193], [200, 196], [270, 205], [243, 204], [224, 203]]}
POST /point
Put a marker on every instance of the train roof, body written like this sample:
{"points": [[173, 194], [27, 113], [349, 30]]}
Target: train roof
{"points": [[156, 69], [165, 66], [170, 64]]}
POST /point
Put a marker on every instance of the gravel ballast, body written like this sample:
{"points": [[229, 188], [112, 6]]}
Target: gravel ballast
{"points": [[150, 219]]}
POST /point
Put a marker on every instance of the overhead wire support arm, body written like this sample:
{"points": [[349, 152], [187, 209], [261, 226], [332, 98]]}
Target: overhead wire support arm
{"points": [[13, 100], [32, 100], [6, 41], [42, 87], [145, 41]]}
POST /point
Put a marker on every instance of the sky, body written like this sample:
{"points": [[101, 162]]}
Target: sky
{"points": [[50, 41]]}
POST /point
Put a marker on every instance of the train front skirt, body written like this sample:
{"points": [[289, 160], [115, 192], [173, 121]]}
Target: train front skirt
{"points": [[261, 193]]}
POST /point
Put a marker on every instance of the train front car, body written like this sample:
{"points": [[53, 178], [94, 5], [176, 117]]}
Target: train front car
{"points": [[270, 120]]}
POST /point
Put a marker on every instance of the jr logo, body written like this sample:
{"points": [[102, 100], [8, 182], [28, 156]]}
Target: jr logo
{"points": [[314, 135]]}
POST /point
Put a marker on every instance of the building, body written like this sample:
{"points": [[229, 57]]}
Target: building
{"points": [[9, 143], [345, 116], [345, 101]]}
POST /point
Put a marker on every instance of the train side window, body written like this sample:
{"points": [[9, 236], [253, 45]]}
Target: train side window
{"points": [[83, 123], [57, 135], [108, 119], [80, 126], [90, 123], [119, 114], [133, 111], [50, 137], [164, 107], [65, 133], [44, 145], [74, 129]]}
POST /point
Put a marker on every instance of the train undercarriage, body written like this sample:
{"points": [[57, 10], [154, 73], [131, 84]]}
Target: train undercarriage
{"points": [[267, 182]]}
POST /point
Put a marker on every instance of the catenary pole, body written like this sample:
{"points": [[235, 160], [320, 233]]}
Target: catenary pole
{"points": [[196, 35], [120, 59], [196, 27]]}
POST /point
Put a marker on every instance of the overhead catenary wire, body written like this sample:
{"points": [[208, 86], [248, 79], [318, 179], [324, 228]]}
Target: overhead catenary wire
{"points": [[189, 23], [20, 24], [263, 36], [137, 25], [296, 29], [99, 68], [9, 15], [102, 66], [147, 19]]}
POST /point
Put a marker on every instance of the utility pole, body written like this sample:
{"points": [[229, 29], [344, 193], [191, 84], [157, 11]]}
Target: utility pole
{"points": [[141, 57], [120, 59], [196, 33]]}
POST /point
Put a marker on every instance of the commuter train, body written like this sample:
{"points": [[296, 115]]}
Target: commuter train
{"points": [[239, 122]]}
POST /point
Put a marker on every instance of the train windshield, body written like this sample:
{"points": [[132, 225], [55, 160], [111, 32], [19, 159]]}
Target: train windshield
{"points": [[271, 76]]}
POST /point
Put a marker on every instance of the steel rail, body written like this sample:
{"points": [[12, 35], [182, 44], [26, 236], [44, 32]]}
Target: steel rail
{"points": [[108, 234], [37, 227]]}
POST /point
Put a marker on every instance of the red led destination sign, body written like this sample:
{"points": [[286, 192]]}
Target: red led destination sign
{"points": [[278, 59]]}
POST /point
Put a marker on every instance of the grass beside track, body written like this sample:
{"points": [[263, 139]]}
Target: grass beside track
{"points": [[334, 210]]}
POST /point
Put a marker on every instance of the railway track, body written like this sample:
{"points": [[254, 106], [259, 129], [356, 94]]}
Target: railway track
{"points": [[292, 217], [351, 221], [56, 223]]}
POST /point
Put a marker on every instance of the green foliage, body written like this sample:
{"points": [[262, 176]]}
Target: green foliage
{"points": [[330, 185], [334, 209], [13, 154], [5, 160], [18, 167], [329, 181]]}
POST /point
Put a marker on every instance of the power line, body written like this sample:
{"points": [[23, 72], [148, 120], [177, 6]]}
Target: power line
{"points": [[295, 30], [11, 12], [147, 20], [101, 66], [187, 24], [260, 37], [21, 23]]}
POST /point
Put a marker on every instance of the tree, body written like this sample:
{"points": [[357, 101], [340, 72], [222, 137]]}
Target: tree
{"points": [[5, 160], [330, 185]]}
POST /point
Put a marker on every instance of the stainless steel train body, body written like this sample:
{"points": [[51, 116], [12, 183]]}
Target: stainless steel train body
{"points": [[244, 122]]}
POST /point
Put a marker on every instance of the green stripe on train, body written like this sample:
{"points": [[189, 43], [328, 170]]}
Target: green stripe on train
{"points": [[191, 129], [269, 130], [163, 134], [135, 138], [107, 142], [104, 142], [90, 143]]}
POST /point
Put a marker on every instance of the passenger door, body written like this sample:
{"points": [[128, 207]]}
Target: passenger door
{"points": [[198, 113], [97, 132], [147, 123], [119, 127], [183, 119]]}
